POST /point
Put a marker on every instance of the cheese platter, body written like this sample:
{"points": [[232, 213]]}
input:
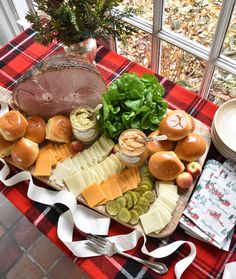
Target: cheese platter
{"points": [[110, 168]]}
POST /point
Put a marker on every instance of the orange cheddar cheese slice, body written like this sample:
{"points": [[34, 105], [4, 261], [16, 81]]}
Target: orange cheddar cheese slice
{"points": [[67, 150], [43, 166], [106, 189], [114, 186], [93, 195]]}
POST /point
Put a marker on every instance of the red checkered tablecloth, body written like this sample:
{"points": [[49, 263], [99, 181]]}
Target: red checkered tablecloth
{"points": [[18, 56]]}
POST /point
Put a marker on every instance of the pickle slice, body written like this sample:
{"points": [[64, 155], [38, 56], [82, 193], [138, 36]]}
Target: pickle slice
{"points": [[144, 203], [122, 201], [112, 207], [129, 200], [150, 196], [137, 194], [147, 181], [124, 215], [134, 217], [134, 197], [138, 209], [142, 189]]}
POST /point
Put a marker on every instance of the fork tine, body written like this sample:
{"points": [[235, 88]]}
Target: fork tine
{"points": [[95, 248], [97, 242], [98, 239]]}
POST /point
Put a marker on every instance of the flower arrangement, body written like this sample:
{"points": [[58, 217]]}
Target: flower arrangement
{"points": [[73, 21]]}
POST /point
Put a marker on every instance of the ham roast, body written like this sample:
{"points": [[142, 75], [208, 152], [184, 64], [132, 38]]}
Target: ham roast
{"points": [[57, 85]]}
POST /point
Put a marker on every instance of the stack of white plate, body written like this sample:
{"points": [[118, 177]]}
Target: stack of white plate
{"points": [[223, 130]]}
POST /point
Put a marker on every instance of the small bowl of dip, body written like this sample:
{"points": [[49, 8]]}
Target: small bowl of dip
{"points": [[133, 148], [84, 124]]}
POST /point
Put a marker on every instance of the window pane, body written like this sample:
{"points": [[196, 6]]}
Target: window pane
{"points": [[194, 19], [137, 48], [181, 67], [223, 87], [145, 7], [229, 47]]}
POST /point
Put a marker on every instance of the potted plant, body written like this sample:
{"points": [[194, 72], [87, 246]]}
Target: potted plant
{"points": [[76, 24]]}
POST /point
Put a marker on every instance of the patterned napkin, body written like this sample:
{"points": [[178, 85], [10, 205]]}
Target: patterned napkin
{"points": [[211, 212]]}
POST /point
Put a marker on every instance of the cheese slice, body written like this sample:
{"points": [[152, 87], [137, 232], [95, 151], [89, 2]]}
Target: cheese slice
{"points": [[168, 201], [115, 187], [152, 221], [69, 164], [75, 183], [106, 188], [93, 195], [166, 192], [118, 162], [43, 166], [61, 172], [163, 205], [160, 185]]}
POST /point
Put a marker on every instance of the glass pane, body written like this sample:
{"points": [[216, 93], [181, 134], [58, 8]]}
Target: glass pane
{"points": [[137, 48], [223, 87], [229, 47], [145, 7], [194, 19], [181, 67]]}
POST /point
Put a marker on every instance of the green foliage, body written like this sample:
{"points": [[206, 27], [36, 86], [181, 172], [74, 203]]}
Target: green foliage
{"points": [[132, 102], [73, 21]]}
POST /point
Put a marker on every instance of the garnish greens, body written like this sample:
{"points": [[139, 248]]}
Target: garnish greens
{"points": [[132, 102]]}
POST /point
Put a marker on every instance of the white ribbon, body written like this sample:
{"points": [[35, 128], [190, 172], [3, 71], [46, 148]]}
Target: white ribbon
{"points": [[89, 221], [230, 271]]}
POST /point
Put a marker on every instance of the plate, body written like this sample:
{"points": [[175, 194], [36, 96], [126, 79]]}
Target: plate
{"points": [[224, 123], [184, 196]]}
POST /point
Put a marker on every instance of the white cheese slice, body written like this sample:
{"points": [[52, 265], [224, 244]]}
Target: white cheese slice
{"points": [[168, 201], [163, 205], [69, 164], [88, 158], [75, 183], [102, 153], [168, 193], [112, 165], [163, 208], [118, 162], [81, 160], [106, 169], [76, 163], [151, 221], [87, 176], [160, 185], [94, 155], [98, 174], [61, 172]]}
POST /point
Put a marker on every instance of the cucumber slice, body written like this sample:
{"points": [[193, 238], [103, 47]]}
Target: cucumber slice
{"points": [[124, 215], [129, 200], [122, 201], [150, 196], [144, 203], [138, 209], [112, 207], [134, 217]]}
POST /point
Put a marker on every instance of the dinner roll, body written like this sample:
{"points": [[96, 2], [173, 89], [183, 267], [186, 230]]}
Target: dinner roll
{"points": [[190, 148], [5, 147], [13, 125], [176, 125], [59, 129], [36, 129], [162, 145], [165, 165], [24, 153]]}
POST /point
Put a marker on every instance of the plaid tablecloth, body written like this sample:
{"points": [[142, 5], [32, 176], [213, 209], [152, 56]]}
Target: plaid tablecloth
{"points": [[18, 56]]}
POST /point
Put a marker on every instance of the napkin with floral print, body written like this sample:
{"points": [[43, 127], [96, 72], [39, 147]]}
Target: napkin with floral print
{"points": [[211, 211]]}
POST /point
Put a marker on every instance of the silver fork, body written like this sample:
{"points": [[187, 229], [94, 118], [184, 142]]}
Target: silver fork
{"points": [[105, 247]]}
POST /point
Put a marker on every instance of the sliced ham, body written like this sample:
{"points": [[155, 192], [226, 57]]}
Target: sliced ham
{"points": [[57, 85]]}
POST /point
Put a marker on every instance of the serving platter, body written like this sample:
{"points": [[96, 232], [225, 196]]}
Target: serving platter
{"points": [[184, 196]]}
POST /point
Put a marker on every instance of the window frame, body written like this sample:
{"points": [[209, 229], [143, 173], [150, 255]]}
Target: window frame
{"points": [[212, 55]]}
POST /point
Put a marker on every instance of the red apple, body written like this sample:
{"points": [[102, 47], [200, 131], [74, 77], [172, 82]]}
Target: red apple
{"points": [[184, 180], [194, 168], [77, 146]]}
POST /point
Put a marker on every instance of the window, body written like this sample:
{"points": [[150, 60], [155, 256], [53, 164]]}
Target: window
{"points": [[200, 35]]}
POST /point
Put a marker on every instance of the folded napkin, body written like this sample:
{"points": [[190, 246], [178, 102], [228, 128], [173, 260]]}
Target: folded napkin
{"points": [[211, 212]]}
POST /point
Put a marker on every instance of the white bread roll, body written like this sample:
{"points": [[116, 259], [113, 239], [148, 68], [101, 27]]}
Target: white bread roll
{"points": [[13, 125], [191, 148], [176, 125], [36, 129], [59, 129], [165, 165], [25, 152], [5, 147]]}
